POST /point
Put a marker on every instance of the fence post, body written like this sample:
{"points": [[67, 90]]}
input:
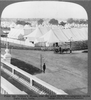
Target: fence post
{"points": [[12, 71], [7, 56], [30, 81]]}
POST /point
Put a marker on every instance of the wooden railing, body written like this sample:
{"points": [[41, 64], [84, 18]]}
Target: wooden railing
{"points": [[32, 81]]}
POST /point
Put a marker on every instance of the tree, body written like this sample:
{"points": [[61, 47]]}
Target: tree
{"points": [[28, 23], [40, 21], [62, 23], [76, 21], [86, 22], [70, 20], [53, 21], [83, 21], [20, 22]]}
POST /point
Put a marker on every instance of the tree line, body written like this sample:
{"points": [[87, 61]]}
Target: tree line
{"points": [[56, 22]]}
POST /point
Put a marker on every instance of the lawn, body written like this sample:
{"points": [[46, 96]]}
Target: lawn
{"points": [[64, 71]]}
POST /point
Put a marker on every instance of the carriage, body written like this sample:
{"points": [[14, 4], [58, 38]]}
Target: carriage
{"points": [[62, 50]]}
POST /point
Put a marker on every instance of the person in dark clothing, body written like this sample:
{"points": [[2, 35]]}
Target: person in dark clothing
{"points": [[44, 67]]}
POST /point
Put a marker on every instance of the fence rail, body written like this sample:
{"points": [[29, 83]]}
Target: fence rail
{"points": [[33, 81]]}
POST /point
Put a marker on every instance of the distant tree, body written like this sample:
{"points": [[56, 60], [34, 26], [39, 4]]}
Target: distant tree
{"points": [[53, 21], [28, 23], [62, 23], [40, 21], [86, 22], [20, 22], [70, 20], [77, 21], [83, 22]]}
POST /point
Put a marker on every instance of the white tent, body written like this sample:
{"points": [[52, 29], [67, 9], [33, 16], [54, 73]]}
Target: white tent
{"points": [[60, 34], [68, 34], [27, 30], [19, 26], [84, 32], [34, 35], [27, 27], [49, 37], [79, 34], [12, 25], [76, 35], [16, 33], [44, 29]]}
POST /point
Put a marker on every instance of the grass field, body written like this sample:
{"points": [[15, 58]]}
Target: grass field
{"points": [[64, 71]]}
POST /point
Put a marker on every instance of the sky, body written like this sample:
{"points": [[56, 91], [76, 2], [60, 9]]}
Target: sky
{"points": [[44, 9]]}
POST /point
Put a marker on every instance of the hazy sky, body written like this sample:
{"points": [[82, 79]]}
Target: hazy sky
{"points": [[44, 9]]}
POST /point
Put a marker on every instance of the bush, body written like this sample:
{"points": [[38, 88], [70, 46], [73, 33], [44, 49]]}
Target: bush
{"points": [[79, 45]]}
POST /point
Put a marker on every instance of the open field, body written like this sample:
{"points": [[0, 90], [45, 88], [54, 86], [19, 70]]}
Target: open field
{"points": [[64, 71]]}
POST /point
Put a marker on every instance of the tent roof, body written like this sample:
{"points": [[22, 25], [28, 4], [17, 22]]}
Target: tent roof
{"points": [[19, 26], [50, 37], [64, 35], [44, 29], [84, 32], [27, 27], [59, 33], [35, 34], [79, 35], [67, 33], [15, 33]]}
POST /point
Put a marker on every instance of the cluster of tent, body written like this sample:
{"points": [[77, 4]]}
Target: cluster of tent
{"points": [[48, 34]]}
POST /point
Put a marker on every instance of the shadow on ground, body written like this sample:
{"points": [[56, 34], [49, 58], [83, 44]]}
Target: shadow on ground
{"points": [[25, 66]]}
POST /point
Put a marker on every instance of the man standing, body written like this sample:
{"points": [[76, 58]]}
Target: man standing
{"points": [[44, 67]]}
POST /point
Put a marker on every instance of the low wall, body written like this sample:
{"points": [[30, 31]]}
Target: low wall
{"points": [[31, 80]]}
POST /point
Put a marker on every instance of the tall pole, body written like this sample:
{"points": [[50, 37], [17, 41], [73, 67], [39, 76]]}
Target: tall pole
{"points": [[41, 61]]}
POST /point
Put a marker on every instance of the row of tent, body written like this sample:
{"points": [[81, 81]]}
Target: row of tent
{"points": [[49, 35]]}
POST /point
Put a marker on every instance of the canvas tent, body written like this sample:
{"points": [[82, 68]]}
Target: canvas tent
{"points": [[60, 34], [12, 25], [68, 34], [49, 37], [27, 30], [44, 29], [27, 27], [34, 35], [19, 26], [76, 35], [16, 33], [84, 32]]}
